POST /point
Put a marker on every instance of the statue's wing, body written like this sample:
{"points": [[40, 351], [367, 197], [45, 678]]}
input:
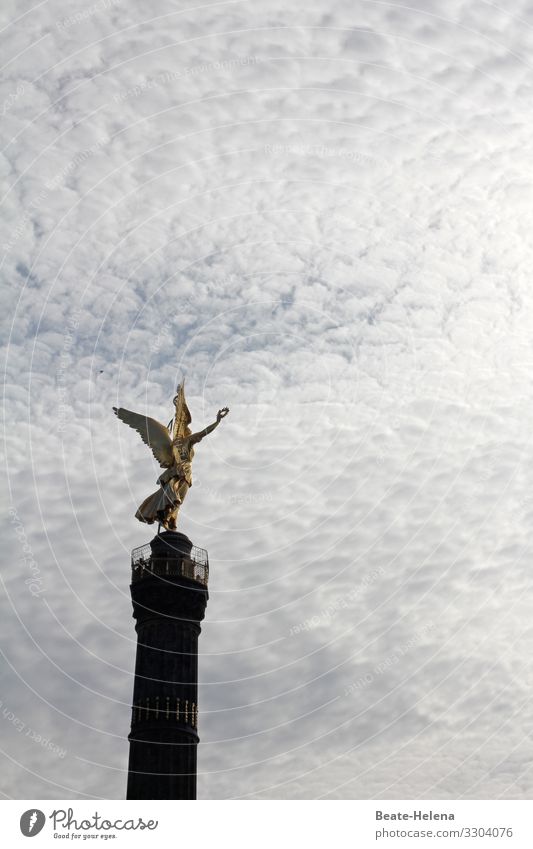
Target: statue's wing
{"points": [[152, 432]]}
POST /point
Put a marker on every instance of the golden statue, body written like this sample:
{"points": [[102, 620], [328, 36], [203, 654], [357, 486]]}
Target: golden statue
{"points": [[173, 448]]}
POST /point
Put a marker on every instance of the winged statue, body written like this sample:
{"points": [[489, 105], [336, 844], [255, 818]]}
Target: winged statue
{"points": [[173, 448]]}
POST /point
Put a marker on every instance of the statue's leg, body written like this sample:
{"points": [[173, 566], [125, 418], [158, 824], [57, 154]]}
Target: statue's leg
{"points": [[183, 489], [180, 488], [166, 506]]}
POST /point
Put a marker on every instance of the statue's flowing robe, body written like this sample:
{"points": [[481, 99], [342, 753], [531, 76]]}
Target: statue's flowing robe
{"points": [[174, 484]]}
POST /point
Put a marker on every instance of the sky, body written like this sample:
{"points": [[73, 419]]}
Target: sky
{"points": [[321, 215]]}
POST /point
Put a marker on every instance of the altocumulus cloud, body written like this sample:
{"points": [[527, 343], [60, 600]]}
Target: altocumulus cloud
{"points": [[322, 216]]}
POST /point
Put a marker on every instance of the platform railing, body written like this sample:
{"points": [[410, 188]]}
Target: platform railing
{"points": [[194, 566]]}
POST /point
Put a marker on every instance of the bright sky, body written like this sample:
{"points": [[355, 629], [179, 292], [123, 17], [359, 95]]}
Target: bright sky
{"points": [[322, 215]]}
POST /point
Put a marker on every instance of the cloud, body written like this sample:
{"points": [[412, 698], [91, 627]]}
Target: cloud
{"points": [[324, 222]]}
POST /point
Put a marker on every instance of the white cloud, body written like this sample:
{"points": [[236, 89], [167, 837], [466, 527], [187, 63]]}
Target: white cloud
{"points": [[324, 221]]}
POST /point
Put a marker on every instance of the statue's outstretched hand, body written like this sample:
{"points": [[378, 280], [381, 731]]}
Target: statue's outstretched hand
{"points": [[222, 413]]}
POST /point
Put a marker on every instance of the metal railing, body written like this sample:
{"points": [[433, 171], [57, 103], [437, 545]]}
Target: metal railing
{"points": [[194, 566]]}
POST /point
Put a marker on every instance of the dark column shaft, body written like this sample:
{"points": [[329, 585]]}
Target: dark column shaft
{"points": [[168, 609]]}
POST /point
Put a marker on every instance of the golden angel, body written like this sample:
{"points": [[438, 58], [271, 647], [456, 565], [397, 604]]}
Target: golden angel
{"points": [[173, 448]]}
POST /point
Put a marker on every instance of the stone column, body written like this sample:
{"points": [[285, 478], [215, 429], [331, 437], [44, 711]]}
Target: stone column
{"points": [[169, 596]]}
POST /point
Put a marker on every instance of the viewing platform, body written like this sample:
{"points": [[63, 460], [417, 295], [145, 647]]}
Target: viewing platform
{"points": [[170, 554]]}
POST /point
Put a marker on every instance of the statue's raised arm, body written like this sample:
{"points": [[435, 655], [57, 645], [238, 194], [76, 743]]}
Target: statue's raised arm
{"points": [[197, 437], [173, 448]]}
